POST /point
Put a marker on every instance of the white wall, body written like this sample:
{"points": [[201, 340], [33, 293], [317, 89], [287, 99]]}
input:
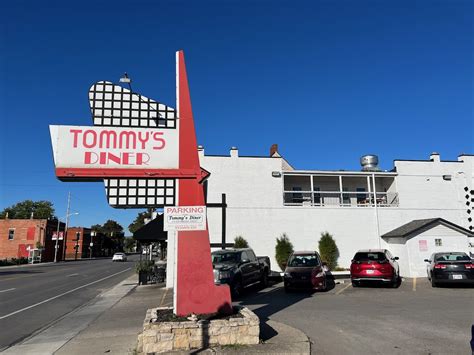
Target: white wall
{"points": [[256, 211], [451, 241]]}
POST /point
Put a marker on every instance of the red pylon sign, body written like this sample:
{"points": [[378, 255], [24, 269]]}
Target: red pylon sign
{"points": [[146, 154]]}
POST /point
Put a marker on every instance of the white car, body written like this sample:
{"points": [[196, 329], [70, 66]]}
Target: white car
{"points": [[119, 257]]}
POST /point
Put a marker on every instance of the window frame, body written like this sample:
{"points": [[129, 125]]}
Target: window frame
{"points": [[12, 235]]}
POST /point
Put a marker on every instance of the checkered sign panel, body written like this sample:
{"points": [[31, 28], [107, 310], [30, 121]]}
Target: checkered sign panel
{"points": [[113, 105], [138, 193]]}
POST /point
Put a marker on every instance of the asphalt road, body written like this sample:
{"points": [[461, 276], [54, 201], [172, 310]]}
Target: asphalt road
{"points": [[412, 319], [32, 297]]}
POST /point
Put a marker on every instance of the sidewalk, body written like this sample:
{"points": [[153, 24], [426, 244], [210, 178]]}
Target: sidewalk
{"points": [[116, 330], [110, 324]]}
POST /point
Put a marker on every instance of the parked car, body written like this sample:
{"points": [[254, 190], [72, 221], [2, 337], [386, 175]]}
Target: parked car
{"points": [[375, 265], [450, 267], [119, 257], [239, 268], [305, 270]]}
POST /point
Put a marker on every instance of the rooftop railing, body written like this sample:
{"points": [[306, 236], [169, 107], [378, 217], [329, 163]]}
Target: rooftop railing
{"points": [[340, 198]]}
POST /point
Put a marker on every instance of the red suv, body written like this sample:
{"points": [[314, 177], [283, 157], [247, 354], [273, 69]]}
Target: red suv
{"points": [[375, 265]]}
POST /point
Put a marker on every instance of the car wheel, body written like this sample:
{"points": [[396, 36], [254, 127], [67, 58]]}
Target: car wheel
{"points": [[395, 282], [355, 283], [287, 289], [433, 282], [325, 286], [264, 279]]}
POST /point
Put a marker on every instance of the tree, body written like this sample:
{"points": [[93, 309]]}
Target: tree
{"points": [[112, 235], [112, 229], [328, 250], [140, 220], [97, 228], [240, 242], [283, 250], [129, 244], [24, 210]]}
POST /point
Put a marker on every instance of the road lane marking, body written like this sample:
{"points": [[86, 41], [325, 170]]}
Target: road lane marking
{"points": [[76, 274], [343, 289], [10, 289], [63, 294], [414, 284]]}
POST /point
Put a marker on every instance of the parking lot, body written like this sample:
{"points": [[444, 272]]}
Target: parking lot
{"points": [[411, 319]]}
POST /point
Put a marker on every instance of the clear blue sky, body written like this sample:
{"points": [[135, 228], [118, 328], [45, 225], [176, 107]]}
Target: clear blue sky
{"points": [[327, 80]]}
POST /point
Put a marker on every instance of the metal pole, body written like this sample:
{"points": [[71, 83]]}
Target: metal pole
{"points": [[224, 206], [56, 246], [91, 244], [67, 221]]}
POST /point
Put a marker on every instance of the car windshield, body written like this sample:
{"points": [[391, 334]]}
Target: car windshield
{"points": [[224, 258], [368, 256], [452, 257], [308, 260]]}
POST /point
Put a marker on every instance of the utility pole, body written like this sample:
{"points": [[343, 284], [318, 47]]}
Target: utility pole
{"points": [[67, 222]]}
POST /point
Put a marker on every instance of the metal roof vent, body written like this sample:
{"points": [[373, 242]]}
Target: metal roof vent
{"points": [[370, 162]]}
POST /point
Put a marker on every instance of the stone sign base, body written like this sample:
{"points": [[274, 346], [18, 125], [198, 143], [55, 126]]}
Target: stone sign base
{"points": [[159, 337]]}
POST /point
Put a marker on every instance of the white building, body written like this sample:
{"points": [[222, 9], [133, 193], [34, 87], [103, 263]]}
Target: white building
{"points": [[266, 197]]}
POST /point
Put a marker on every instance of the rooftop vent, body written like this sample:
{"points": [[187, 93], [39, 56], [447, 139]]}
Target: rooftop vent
{"points": [[370, 162]]}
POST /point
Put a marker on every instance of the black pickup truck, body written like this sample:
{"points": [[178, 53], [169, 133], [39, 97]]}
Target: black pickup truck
{"points": [[240, 268]]}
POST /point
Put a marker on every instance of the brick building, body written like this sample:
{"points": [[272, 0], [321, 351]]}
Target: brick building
{"points": [[78, 244], [78, 241], [18, 236]]}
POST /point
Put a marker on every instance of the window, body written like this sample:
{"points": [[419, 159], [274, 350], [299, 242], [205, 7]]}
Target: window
{"points": [[367, 256], [317, 196], [307, 260], [361, 196], [224, 258], [244, 256], [297, 197], [251, 256], [439, 242], [11, 234], [452, 257], [346, 198]]}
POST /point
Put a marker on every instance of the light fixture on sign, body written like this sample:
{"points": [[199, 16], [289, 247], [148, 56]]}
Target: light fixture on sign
{"points": [[276, 174]]}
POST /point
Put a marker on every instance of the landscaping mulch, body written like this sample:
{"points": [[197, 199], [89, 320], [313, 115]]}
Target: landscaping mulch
{"points": [[167, 315]]}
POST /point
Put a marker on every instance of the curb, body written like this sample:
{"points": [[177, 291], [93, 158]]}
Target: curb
{"points": [[25, 265], [289, 340]]}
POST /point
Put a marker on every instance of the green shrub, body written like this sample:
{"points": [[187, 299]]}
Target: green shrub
{"points": [[283, 250], [240, 242], [19, 261], [144, 266], [328, 250]]}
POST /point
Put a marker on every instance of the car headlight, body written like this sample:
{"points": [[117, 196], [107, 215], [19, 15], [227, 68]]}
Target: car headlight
{"points": [[224, 274]]}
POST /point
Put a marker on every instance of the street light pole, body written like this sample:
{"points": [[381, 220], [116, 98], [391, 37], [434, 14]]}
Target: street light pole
{"points": [[56, 245], [67, 220], [91, 244], [57, 235]]}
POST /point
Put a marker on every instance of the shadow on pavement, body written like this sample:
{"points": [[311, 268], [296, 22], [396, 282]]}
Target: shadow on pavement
{"points": [[273, 301], [378, 284]]}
